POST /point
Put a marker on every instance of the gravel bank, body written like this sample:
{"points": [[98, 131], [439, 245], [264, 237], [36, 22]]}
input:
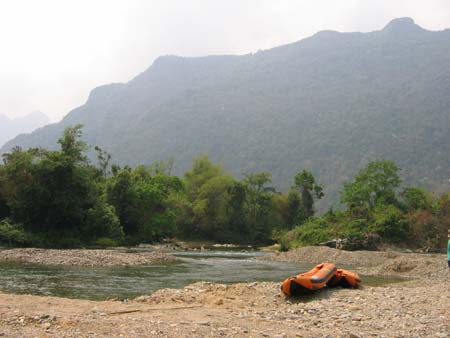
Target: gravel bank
{"points": [[418, 309], [83, 257], [389, 263], [239, 310]]}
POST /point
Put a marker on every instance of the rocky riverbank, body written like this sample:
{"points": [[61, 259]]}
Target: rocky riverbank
{"points": [[239, 310], [390, 263], [415, 309], [83, 257]]}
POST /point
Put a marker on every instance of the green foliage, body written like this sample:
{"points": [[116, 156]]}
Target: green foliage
{"points": [[55, 194], [416, 198], [222, 209], [309, 190], [374, 213], [142, 203], [12, 234], [390, 223], [71, 145], [236, 209], [429, 226], [375, 184], [101, 222], [211, 206], [279, 217], [313, 232], [4, 208], [103, 158], [202, 171], [57, 198], [295, 212], [106, 242], [258, 204]]}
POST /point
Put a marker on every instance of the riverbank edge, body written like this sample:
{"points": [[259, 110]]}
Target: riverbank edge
{"points": [[414, 266], [84, 257]]}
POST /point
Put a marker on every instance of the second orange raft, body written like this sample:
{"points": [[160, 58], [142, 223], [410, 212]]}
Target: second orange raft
{"points": [[324, 274]]}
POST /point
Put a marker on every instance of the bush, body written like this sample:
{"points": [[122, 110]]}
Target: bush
{"points": [[102, 222], [12, 234], [355, 229], [106, 242], [313, 232], [390, 223]]}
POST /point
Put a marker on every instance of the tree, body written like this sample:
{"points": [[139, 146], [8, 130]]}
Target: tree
{"points": [[258, 204], [295, 216], [374, 184], [202, 171], [389, 222], [309, 190], [103, 158], [54, 193], [142, 203], [211, 207], [71, 144], [415, 198], [119, 193], [4, 208], [161, 167]]}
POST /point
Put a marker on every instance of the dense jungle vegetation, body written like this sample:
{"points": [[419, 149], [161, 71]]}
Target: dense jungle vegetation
{"points": [[58, 198]]}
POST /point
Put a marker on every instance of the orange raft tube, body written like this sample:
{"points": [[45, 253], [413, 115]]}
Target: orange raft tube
{"points": [[314, 279], [345, 278], [324, 274]]}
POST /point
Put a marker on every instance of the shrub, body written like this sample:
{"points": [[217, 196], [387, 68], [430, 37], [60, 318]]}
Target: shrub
{"points": [[390, 223], [103, 222], [313, 232], [12, 234], [105, 242]]}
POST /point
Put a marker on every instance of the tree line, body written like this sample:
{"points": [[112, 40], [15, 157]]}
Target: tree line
{"points": [[60, 199]]}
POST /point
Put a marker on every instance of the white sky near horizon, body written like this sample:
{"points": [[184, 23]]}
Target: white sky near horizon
{"points": [[53, 52]]}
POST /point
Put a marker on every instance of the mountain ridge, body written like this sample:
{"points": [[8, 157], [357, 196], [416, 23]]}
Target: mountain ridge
{"points": [[329, 103], [10, 128]]}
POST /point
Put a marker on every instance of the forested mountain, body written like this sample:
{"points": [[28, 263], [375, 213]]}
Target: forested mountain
{"points": [[329, 103], [10, 128]]}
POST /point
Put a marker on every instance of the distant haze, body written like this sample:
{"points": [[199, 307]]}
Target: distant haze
{"points": [[10, 128], [53, 52]]}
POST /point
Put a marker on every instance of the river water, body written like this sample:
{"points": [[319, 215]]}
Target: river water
{"points": [[98, 283]]}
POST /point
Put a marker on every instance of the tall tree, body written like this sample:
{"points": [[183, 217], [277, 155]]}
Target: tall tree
{"points": [[202, 171], [4, 208], [141, 201], [258, 203], [103, 158], [295, 214], [309, 191], [54, 193], [71, 144], [236, 209], [374, 184]]}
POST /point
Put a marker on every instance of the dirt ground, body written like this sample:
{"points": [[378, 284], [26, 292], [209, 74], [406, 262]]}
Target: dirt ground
{"points": [[417, 308]]}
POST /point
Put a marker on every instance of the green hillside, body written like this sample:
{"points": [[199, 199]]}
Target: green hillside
{"points": [[330, 103]]}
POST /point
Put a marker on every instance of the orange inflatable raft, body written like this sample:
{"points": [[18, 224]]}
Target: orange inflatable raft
{"points": [[324, 274], [344, 278]]}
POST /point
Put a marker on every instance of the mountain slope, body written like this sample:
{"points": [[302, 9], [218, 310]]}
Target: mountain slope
{"points": [[10, 128], [329, 103]]}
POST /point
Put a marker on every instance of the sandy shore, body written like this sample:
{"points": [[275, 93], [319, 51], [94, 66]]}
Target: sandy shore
{"points": [[83, 257], [419, 308]]}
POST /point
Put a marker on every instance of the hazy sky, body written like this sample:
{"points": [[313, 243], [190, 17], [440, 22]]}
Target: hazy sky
{"points": [[53, 52]]}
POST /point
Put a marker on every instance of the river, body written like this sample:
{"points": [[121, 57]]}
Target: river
{"points": [[99, 283]]}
